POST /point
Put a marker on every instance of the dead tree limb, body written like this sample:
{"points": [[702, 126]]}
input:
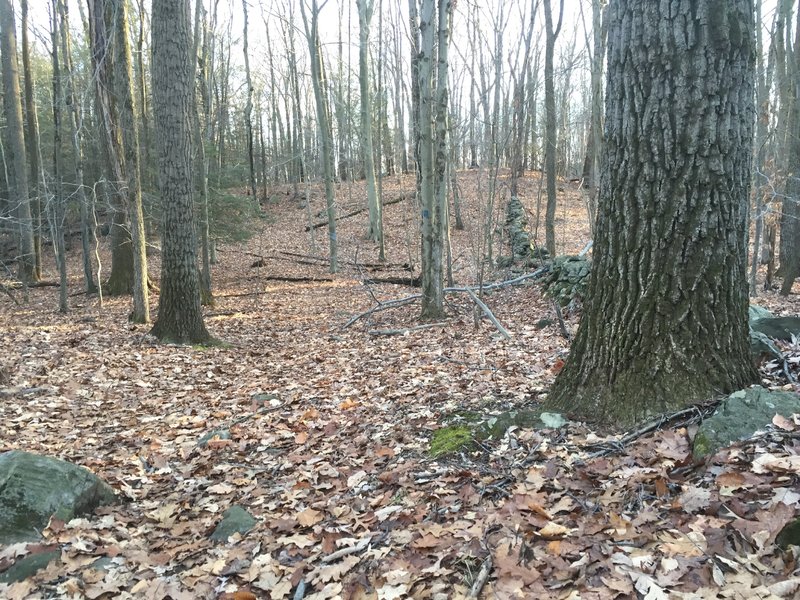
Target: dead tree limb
{"points": [[405, 330], [488, 312], [356, 212]]}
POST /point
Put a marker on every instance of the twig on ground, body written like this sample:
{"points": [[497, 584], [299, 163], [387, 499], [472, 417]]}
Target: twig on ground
{"points": [[487, 311], [480, 580], [361, 545]]}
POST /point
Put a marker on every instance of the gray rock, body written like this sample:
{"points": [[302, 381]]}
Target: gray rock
{"points": [[758, 312], [761, 345], [568, 279], [740, 415], [789, 535], [234, 520], [779, 328], [27, 566], [516, 227], [33, 488]]}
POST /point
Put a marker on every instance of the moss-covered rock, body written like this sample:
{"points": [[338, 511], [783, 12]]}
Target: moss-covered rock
{"points": [[27, 566], [740, 415], [33, 488], [789, 535], [568, 279]]}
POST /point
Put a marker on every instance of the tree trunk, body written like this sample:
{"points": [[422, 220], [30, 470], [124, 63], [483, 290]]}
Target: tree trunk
{"points": [[248, 110], [32, 141], [323, 122], [18, 173], [129, 136], [431, 71], [120, 280], [74, 113], [57, 208], [665, 324], [550, 123], [375, 231], [180, 318]]}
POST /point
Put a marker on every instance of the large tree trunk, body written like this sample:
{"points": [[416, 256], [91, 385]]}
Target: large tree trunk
{"points": [[18, 173], [180, 318], [120, 280], [665, 324]]}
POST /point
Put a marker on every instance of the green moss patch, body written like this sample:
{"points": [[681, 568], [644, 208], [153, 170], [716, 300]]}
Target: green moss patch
{"points": [[450, 439]]}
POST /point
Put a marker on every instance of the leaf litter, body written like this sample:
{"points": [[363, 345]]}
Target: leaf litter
{"points": [[321, 433]]}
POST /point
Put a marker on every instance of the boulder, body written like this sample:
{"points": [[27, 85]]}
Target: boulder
{"points": [[779, 328], [740, 415], [234, 520], [33, 488]]}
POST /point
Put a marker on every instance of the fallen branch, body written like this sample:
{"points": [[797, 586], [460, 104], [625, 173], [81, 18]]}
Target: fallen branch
{"points": [[561, 325], [355, 212], [487, 311], [480, 580], [382, 306], [538, 273], [406, 329], [361, 545], [409, 281], [297, 279]]}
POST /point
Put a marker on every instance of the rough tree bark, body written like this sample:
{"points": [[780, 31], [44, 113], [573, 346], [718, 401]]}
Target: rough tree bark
{"points": [[180, 318], [665, 324], [18, 173]]}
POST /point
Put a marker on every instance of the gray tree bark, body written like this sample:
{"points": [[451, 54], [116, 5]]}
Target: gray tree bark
{"points": [[375, 231], [180, 318], [665, 323], [323, 121], [550, 135], [75, 116], [32, 140], [18, 173]]}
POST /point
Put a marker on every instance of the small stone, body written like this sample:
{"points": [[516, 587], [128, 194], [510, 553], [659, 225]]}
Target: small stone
{"points": [[234, 520]]}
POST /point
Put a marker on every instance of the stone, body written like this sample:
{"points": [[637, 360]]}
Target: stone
{"points": [[761, 345], [234, 520], [740, 415], [27, 566], [568, 279], [33, 488], [789, 535], [516, 228], [758, 312], [778, 328]]}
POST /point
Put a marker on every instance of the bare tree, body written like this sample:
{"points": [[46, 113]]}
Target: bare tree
{"points": [[551, 141], [311, 26], [18, 173]]}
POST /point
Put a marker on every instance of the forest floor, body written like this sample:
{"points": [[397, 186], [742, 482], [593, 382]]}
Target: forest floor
{"points": [[330, 430]]}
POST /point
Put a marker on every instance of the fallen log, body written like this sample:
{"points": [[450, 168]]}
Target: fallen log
{"points": [[358, 212]]}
